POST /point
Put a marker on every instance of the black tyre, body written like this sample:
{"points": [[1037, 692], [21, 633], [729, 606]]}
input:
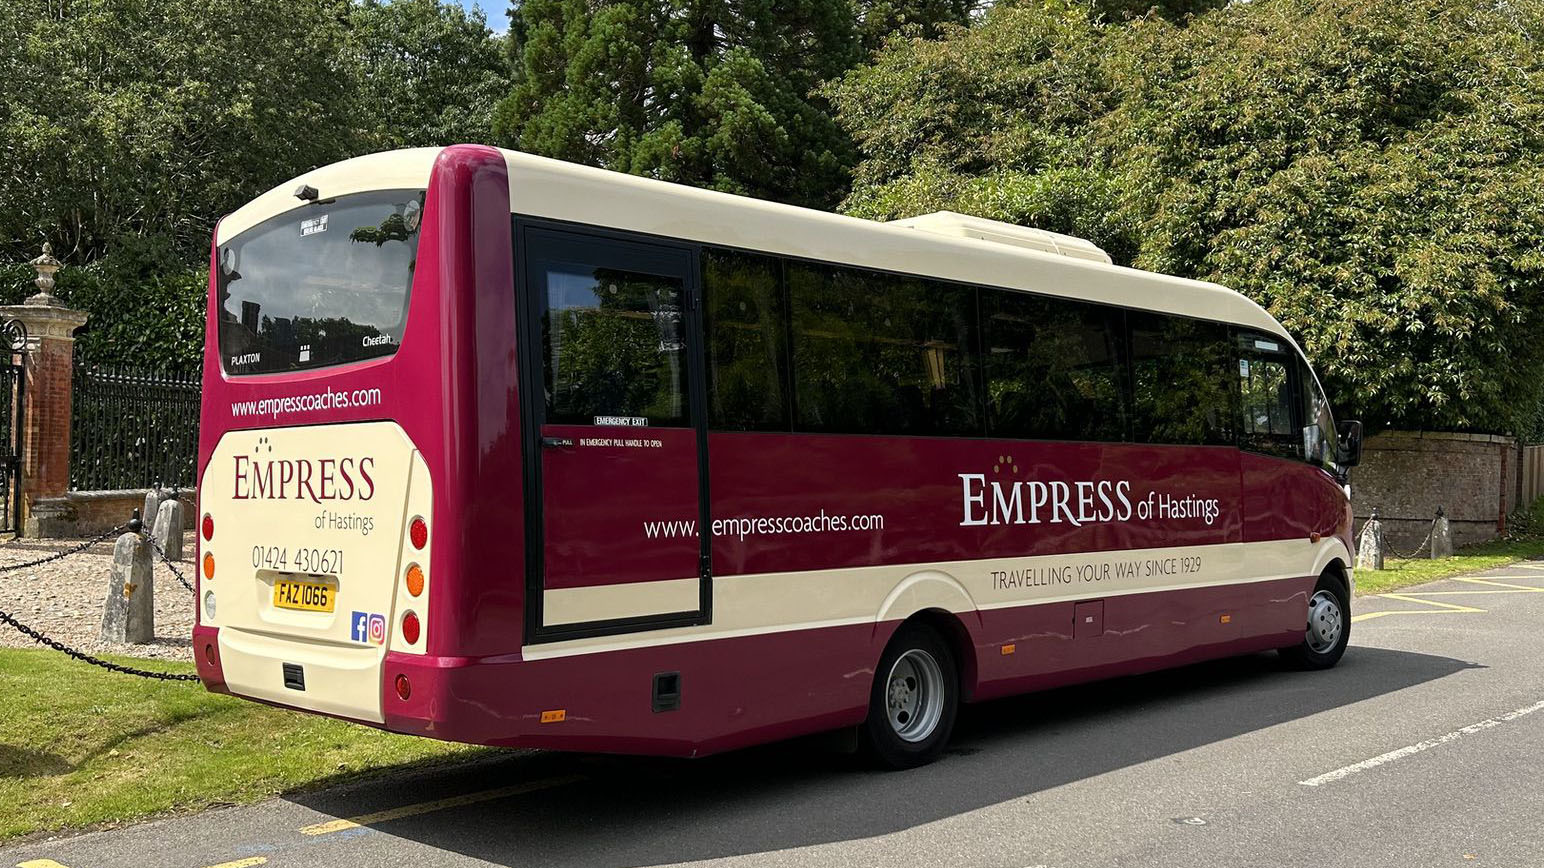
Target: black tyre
{"points": [[1328, 629], [914, 700]]}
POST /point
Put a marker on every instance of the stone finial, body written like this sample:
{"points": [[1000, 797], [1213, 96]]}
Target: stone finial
{"points": [[46, 265]]}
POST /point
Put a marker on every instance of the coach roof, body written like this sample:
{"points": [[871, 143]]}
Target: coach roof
{"points": [[543, 187]]}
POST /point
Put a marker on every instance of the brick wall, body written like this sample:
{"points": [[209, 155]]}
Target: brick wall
{"points": [[87, 513], [1406, 475]]}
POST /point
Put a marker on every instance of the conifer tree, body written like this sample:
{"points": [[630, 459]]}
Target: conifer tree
{"points": [[714, 93]]}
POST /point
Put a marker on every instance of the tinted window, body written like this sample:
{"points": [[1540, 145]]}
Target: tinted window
{"points": [[612, 345], [1182, 387], [883, 354], [1051, 368], [1318, 424], [1267, 423], [324, 284], [747, 359]]}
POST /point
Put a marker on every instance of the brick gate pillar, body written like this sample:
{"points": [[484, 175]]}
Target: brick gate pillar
{"points": [[48, 369]]}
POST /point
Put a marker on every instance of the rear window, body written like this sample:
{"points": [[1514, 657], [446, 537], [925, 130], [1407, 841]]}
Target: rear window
{"points": [[326, 284]]}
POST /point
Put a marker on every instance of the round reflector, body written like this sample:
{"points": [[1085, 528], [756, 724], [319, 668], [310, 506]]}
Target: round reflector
{"points": [[208, 526], [404, 689], [410, 628], [415, 580], [208, 566], [209, 653], [418, 531]]}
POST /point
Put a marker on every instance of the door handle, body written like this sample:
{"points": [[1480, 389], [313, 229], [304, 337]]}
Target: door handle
{"points": [[557, 442]]}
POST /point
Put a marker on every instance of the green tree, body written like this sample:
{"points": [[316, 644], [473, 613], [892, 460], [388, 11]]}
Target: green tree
{"points": [[127, 127], [136, 118], [1368, 170], [430, 71], [704, 92], [878, 20]]}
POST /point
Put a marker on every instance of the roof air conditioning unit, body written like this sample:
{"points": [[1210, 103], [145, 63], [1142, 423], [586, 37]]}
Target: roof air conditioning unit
{"points": [[965, 226]]}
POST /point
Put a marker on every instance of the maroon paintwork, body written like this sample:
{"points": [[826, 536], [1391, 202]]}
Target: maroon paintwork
{"points": [[452, 386]]}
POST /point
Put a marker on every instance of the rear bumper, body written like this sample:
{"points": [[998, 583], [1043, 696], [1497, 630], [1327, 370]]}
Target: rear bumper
{"points": [[734, 692], [341, 682]]}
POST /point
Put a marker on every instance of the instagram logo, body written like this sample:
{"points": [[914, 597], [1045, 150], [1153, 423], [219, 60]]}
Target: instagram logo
{"points": [[367, 627]]}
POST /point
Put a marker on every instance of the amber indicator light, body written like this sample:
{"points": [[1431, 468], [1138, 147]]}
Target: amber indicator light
{"points": [[1009, 649], [556, 716], [415, 580], [208, 566]]}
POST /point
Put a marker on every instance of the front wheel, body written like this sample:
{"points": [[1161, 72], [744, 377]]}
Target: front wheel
{"points": [[914, 700], [1329, 627]]}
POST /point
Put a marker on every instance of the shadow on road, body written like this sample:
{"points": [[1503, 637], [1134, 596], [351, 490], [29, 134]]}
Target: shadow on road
{"points": [[629, 812]]}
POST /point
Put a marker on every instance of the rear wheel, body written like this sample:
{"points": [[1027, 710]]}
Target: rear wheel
{"points": [[1328, 630], [914, 700]]}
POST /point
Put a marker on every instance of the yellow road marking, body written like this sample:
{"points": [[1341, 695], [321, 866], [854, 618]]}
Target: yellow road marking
{"points": [[39, 863], [1479, 591], [243, 863], [1437, 608], [1499, 584], [437, 805]]}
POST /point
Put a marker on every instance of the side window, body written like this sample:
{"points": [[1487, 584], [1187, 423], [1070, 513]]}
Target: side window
{"points": [[881, 354], [1267, 423], [612, 344], [1051, 368], [746, 352], [1318, 424], [1181, 380]]}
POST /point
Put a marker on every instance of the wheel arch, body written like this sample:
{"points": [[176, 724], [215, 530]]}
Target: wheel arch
{"points": [[1341, 572]]}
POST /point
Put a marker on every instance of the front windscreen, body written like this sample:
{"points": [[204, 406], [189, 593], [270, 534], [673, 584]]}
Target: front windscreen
{"points": [[325, 284]]}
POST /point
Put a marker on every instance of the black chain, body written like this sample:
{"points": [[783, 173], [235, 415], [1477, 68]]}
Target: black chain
{"points": [[170, 565], [87, 658], [10, 568], [43, 639]]}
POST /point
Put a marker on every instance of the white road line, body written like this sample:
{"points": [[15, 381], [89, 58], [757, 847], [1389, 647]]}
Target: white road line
{"points": [[1416, 748]]}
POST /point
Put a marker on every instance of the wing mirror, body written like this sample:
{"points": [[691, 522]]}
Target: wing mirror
{"points": [[1348, 451]]}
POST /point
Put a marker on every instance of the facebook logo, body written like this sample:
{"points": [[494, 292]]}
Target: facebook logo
{"points": [[367, 627]]}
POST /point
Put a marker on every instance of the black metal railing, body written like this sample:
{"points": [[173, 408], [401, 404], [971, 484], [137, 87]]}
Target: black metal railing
{"points": [[133, 429]]}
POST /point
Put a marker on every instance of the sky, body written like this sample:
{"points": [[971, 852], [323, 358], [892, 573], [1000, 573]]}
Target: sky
{"points": [[493, 10]]}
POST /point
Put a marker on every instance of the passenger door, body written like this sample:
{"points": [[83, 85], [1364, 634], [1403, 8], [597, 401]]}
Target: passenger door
{"points": [[616, 438]]}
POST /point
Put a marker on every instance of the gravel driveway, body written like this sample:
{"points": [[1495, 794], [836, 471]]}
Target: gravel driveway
{"points": [[64, 598]]}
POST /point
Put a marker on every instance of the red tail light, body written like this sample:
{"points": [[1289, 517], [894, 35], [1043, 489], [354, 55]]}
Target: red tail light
{"points": [[418, 531], [208, 527], [410, 628]]}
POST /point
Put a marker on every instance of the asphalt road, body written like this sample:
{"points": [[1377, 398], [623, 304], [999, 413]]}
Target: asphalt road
{"points": [[1423, 748]]}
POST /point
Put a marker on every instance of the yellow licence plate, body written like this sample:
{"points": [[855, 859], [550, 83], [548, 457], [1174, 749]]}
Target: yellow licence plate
{"points": [[305, 596]]}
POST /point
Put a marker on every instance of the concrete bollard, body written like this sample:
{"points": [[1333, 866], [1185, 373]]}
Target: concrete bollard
{"points": [[1441, 537], [168, 529], [152, 505], [1369, 552], [129, 612]]}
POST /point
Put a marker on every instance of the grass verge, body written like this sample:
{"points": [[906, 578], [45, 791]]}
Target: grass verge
{"points": [[81, 746], [1404, 572]]}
